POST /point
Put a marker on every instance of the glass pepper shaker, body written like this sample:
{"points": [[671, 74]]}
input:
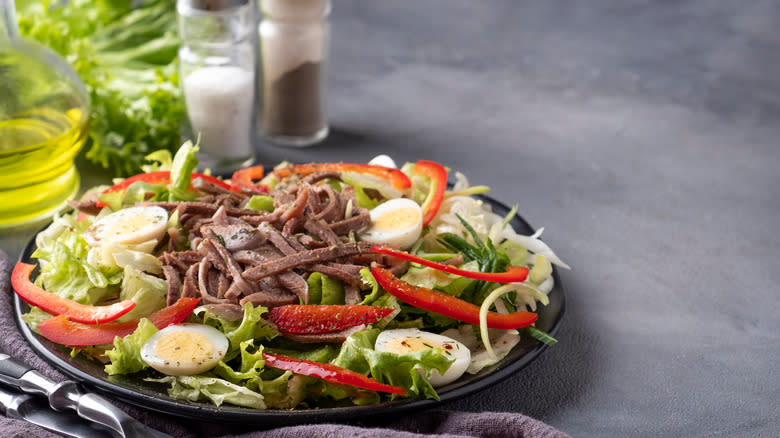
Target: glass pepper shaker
{"points": [[217, 75], [294, 38]]}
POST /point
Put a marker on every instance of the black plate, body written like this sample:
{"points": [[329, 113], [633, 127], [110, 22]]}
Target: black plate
{"points": [[133, 390]]}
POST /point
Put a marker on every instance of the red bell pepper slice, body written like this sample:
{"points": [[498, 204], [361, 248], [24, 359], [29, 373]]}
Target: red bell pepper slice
{"points": [[57, 305], [242, 179], [63, 331], [398, 179], [328, 372], [513, 274], [438, 176], [325, 318], [161, 177], [447, 305]]}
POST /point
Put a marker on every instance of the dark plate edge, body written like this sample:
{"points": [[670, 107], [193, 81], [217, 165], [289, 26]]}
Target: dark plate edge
{"points": [[280, 417]]}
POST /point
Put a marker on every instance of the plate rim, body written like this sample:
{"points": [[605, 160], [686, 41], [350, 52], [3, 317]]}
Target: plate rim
{"points": [[234, 415]]}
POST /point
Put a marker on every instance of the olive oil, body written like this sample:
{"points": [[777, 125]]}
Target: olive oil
{"points": [[37, 174], [44, 113]]}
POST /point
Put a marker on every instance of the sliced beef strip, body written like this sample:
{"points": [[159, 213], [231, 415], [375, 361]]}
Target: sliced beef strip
{"points": [[86, 206], [223, 285], [319, 176], [295, 284], [454, 261], [227, 201], [205, 209], [293, 242], [237, 237], [297, 207], [325, 337], [347, 195], [310, 242], [220, 216], [277, 240], [351, 268], [258, 219], [320, 229], [215, 283], [304, 258], [367, 259], [281, 197], [294, 225], [226, 311], [190, 289], [351, 294], [315, 204], [234, 268], [334, 272], [207, 187], [360, 219], [173, 238], [174, 284], [270, 298], [333, 209], [258, 256], [209, 296], [210, 252], [182, 260]]}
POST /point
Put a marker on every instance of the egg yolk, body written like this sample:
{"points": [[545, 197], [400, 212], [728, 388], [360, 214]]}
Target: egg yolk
{"points": [[183, 346], [410, 345], [131, 224], [400, 218]]}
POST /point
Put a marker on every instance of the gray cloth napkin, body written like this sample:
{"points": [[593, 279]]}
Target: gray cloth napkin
{"points": [[426, 424]]}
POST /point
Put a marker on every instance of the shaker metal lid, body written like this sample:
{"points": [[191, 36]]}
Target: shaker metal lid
{"points": [[212, 5]]}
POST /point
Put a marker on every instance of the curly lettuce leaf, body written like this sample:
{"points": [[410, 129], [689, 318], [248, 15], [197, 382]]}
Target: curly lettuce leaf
{"points": [[65, 269], [148, 292], [251, 326], [126, 354], [213, 389], [125, 54], [405, 370]]}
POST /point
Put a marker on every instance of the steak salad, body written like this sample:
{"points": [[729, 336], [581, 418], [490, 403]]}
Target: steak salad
{"points": [[309, 286]]}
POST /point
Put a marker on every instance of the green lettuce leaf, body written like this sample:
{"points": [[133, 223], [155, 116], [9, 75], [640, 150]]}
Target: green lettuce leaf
{"points": [[213, 389], [184, 163], [34, 317], [251, 326], [405, 370], [125, 53], [368, 278], [248, 371], [126, 354], [148, 292], [67, 271]]}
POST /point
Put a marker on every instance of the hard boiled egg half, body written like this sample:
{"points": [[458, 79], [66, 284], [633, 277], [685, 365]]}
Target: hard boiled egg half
{"points": [[401, 341], [185, 349], [397, 222], [130, 233], [129, 226]]}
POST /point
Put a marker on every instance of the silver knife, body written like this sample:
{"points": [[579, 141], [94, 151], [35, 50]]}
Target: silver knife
{"points": [[68, 395], [34, 410]]}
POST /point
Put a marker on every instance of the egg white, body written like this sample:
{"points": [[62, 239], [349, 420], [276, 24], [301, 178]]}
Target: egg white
{"points": [[401, 341], [185, 349], [384, 161], [397, 222], [134, 226]]}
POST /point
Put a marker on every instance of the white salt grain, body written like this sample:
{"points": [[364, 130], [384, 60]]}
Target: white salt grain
{"points": [[219, 105]]}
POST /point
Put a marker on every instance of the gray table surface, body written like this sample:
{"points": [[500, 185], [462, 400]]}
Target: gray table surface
{"points": [[644, 137]]}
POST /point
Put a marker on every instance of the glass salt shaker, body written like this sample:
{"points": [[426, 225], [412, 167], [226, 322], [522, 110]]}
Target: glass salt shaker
{"points": [[217, 64], [294, 38]]}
